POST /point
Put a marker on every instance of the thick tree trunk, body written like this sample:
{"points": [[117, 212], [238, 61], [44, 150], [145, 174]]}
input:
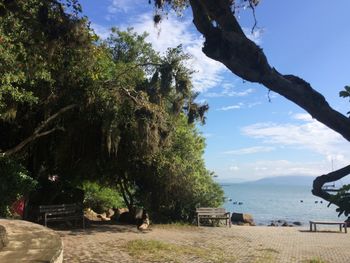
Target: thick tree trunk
{"points": [[226, 42], [126, 194]]}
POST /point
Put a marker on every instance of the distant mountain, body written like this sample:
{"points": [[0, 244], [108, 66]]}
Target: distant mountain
{"points": [[231, 181], [286, 180]]}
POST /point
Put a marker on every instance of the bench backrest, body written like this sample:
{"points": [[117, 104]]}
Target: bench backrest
{"points": [[60, 209], [210, 211]]}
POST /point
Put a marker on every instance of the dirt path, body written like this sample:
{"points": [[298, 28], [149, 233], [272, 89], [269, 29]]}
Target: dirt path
{"points": [[107, 243]]}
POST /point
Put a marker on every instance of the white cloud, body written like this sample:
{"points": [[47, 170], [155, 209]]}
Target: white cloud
{"points": [[309, 134], [251, 150], [232, 107], [253, 104], [239, 105], [264, 168], [301, 133], [229, 93], [254, 170], [234, 168], [124, 6], [174, 31], [102, 31], [229, 90], [301, 116]]}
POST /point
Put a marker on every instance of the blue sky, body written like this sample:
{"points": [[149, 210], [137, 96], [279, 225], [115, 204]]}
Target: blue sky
{"points": [[247, 136]]}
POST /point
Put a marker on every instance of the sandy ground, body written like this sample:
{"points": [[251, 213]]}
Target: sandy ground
{"points": [[103, 243]]}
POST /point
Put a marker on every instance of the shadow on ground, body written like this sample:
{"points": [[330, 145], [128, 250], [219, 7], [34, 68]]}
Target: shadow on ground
{"points": [[322, 231], [97, 227]]}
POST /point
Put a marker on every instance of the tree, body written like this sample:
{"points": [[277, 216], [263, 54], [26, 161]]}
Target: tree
{"points": [[226, 42], [148, 120], [45, 61], [75, 108], [180, 182]]}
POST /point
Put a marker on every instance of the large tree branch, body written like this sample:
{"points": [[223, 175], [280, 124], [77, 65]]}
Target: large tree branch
{"points": [[226, 42], [327, 178], [38, 132]]}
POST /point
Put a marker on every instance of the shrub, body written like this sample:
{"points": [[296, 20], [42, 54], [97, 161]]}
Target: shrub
{"points": [[99, 198], [14, 183]]}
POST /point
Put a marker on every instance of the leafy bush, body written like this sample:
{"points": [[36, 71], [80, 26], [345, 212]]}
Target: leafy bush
{"points": [[14, 183], [99, 198], [342, 199]]}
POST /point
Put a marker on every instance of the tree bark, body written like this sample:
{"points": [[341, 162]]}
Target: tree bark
{"points": [[38, 132], [127, 196], [226, 42]]}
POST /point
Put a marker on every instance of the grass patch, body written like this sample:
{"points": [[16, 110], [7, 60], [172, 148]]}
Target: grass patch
{"points": [[179, 225], [266, 255], [269, 250], [158, 251]]}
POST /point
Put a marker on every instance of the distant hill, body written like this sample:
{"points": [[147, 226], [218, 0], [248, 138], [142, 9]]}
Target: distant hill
{"points": [[231, 181], [286, 180]]}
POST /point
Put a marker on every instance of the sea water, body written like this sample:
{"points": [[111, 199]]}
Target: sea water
{"points": [[268, 203]]}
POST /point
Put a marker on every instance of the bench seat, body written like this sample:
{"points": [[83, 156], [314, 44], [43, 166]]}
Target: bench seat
{"points": [[213, 214], [63, 212], [341, 225]]}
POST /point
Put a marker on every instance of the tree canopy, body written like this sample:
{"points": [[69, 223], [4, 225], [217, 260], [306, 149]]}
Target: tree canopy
{"points": [[77, 108]]}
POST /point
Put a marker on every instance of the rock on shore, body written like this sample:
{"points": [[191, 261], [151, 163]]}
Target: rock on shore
{"points": [[242, 219], [284, 223]]}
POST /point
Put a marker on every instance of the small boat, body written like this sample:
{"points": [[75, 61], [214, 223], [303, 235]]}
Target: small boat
{"points": [[330, 188]]}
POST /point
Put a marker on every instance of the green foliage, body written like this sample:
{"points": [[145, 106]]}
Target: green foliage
{"points": [[345, 93], [14, 183], [100, 198], [132, 124], [37, 37], [182, 182], [342, 199]]}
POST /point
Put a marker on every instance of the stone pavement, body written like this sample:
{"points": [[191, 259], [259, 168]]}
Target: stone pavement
{"points": [[104, 243], [28, 242]]}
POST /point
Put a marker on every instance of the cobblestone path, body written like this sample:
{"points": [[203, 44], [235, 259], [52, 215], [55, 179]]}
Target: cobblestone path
{"points": [[104, 243]]}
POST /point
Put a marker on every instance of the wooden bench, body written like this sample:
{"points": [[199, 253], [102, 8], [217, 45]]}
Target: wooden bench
{"points": [[62, 212], [213, 214], [341, 225]]}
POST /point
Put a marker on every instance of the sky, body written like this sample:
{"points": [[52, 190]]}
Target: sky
{"points": [[251, 133]]}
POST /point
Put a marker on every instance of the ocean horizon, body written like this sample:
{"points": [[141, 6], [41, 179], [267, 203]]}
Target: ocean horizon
{"points": [[268, 202]]}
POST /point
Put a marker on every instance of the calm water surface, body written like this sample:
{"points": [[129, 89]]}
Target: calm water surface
{"points": [[278, 202]]}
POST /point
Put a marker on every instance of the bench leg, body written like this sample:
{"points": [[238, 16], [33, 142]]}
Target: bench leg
{"points": [[341, 227], [197, 220], [345, 228], [310, 227]]}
